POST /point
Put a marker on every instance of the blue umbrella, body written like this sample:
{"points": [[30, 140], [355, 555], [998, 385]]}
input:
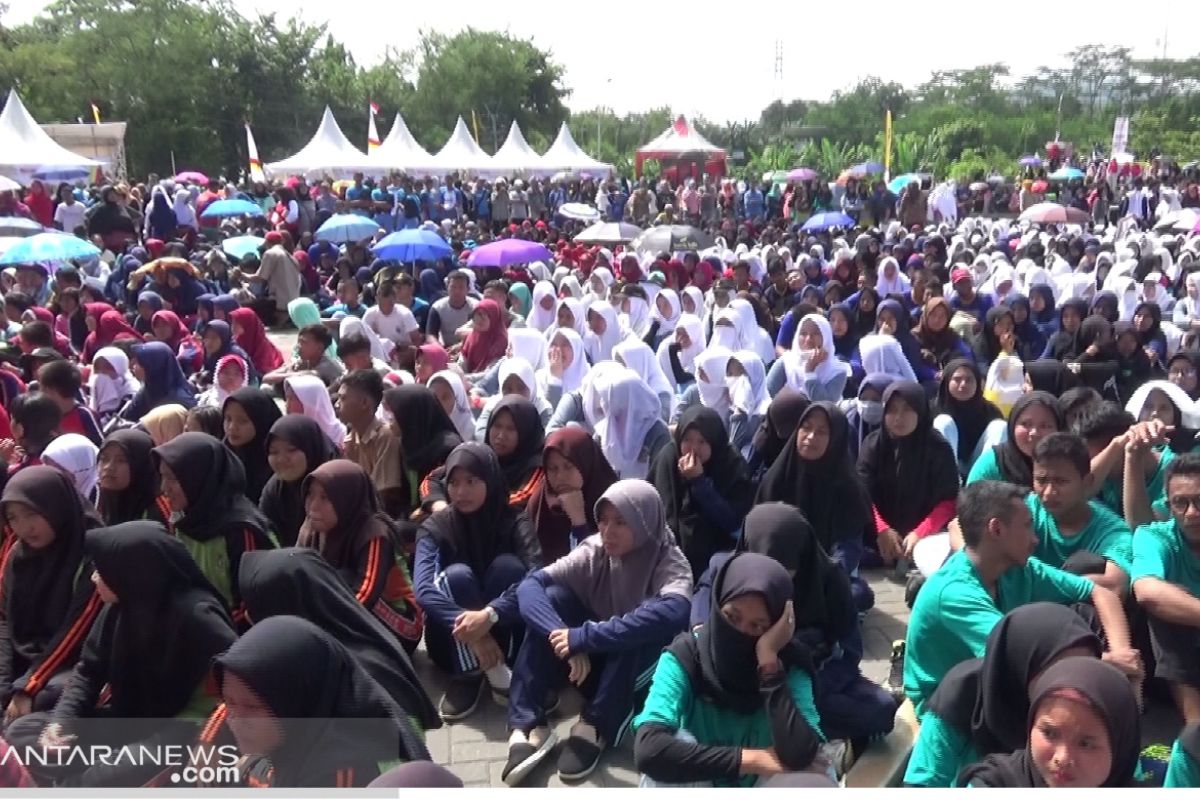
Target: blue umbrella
{"points": [[412, 244], [828, 219], [233, 208], [1066, 174], [342, 228], [241, 246], [898, 183], [43, 247]]}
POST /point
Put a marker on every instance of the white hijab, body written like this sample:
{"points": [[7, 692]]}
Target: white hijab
{"points": [[353, 326], [600, 347], [748, 392], [542, 318], [108, 393], [1188, 409], [796, 367], [896, 283], [697, 298], [573, 376], [578, 313], [75, 455], [605, 277], [312, 394], [520, 368], [687, 355], [637, 321], [595, 385], [882, 353], [630, 409], [714, 392], [637, 356], [667, 323], [527, 344], [461, 416]]}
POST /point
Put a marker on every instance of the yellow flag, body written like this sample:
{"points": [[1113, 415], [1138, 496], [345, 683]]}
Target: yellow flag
{"points": [[96, 113], [887, 146]]}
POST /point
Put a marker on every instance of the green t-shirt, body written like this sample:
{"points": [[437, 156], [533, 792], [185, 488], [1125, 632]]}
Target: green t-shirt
{"points": [[1160, 551], [940, 752], [1105, 535], [954, 614], [985, 468], [672, 703], [1112, 493], [1182, 770]]}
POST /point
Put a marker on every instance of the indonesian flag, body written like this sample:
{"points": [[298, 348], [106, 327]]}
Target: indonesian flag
{"points": [[256, 170], [372, 131]]}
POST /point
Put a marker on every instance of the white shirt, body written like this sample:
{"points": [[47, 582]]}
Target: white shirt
{"points": [[69, 217], [394, 327]]}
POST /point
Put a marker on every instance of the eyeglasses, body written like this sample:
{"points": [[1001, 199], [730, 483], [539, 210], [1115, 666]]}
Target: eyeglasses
{"points": [[1180, 504]]}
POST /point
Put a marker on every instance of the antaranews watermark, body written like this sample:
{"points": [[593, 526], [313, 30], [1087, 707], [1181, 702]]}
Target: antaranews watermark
{"points": [[187, 764]]}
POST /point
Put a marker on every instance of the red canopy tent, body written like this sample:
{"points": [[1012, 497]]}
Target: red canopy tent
{"points": [[683, 152]]}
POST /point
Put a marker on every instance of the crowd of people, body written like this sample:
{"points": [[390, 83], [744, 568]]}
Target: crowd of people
{"points": [[653, 477]]}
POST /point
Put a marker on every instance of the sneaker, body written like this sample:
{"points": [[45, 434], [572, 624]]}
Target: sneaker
{"points": [[526, 751], [461, 698], [912, 587], [580, 752], [895, 680], [499, 679]]}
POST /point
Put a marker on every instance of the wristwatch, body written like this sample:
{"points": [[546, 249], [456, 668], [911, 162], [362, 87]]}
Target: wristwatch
{"points": [[493, 617]]}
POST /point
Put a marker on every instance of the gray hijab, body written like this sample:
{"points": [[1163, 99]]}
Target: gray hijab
{"points": [[611, 587]]}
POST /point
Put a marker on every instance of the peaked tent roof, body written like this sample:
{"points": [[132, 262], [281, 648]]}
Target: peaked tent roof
{"points": [[400, 150], [25, 148], [461, 153], [328, 152], [565, 154], [680, 138], [516, 156]]}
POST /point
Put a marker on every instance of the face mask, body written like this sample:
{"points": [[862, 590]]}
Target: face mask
{"points": [[871, 411]]}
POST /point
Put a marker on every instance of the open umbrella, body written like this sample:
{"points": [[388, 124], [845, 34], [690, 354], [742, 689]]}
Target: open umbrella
{"points": [[1053, 213], [609, 233], [45, 247], [8, 184], [1039, 186], [1029, 161], [192, 176], [827, 220], [775, 176], [579, 211], [504, 252], [241, 246], [1066, 174], [19, 226], [233, 208], [868, 168], [413, 244], [672, 239], [802, 174], [342, 228], [897, 184]]}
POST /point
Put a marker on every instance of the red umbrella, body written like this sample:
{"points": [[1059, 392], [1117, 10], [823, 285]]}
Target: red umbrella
{"points": [[1053, 213], [1039, 187]]}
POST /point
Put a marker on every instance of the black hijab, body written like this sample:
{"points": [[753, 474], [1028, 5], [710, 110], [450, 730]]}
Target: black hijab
{"points": [[698, 536], [476, 539], [520, 465], [1015, 466], [988, 343], [139, 500], [820, 589], [1065, 345], [1092, 329], [1108, 693], [41, 586], [826, 490], [297, 581], [359, 515], [168, 624], [906, 478], [282, 502], [970, 416], [722, 658], [1048, 375], [779, 423], [986, 698], [337, 716], [263, 413], [427, 434]]}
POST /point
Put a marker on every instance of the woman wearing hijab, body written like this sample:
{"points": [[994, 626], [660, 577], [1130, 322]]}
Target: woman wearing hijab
{"points": [[811, 365], [205, 485], [711, 388], [1063, 345], [470, 556], [678, 351], [1032, 418], [251, 336], [893, 319], [169, 329], [75, 456], [112, 384], [164, 423], [606, 609], [910, 473], [733, 703], [448, 387], [1046, 375], [217, 338], [705, 486], [129, 485], [967, 420], [630, 429], [940, 343], [488, 339], [1135, 365], [295, 447], [864, 304], [516, 376], [308, 395], [249, 414], [427, 434], [996, 338], [637, 356], [110, 328], [542, 311], [1083, 732], [980, 707], [146, 658], [778, 425], [566, 367], [163, 382], [343, 728], [562, 506], [345, 523], [604, 333], [1030, 340], [748, 398], [1097, 361], [46, 596]]}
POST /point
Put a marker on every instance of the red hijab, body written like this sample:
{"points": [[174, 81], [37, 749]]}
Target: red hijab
{"points": [[435, 355], [110, 327], [253, 339], [179, 331], [482, 349]]}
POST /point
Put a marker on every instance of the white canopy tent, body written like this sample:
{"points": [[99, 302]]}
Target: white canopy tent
{"points": [[328, 153], [565, 154], [516, 157], [400, 151], [460, 154], [27, 151]]}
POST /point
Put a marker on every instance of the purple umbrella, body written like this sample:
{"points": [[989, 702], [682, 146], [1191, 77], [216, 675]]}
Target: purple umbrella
{"points": [[508, 251], [802, 174], [1030, 161]]}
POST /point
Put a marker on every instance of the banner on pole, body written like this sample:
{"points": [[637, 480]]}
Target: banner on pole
{"points": [[256, 170], [1120, 140]]}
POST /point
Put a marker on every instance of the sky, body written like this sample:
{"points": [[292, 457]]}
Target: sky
{"points": [[698, 58]]}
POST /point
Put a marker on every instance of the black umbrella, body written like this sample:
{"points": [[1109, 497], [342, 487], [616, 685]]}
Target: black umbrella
{"points": [[671, 239]]}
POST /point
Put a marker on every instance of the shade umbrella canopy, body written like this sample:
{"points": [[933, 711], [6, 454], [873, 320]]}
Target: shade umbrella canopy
{"points": [[27, 151], [19, 226], [233, 208], [827, 220], [43, 247], [898, 183], [191, 176], [1030, 161], [609, 233], [1053, 213], [241, 246], [343, 228], [672, 239], [580, 211], [8, 184], [414, 244], [802, 174], [1066, 174], [506, 252]]}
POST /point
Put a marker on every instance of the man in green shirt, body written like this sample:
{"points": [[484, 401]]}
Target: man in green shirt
{"points": [[1166, 583], [993, 574], [1074, 534]]}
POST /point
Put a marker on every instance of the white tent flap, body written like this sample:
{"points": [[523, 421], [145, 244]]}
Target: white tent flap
{"points": [[461, 153], [516, 157], [328, 153], [25, 148], [565, 154], [401, 151]]}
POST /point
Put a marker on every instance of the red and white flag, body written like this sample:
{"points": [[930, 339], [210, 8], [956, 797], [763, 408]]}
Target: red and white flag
{"points": [[372, 131], [256, 170]]}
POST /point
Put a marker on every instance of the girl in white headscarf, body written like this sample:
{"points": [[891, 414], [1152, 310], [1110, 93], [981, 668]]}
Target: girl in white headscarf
{"points": [[75, 455], [819, 377], [312, 400], [542, 311], [112, 384], [539, 272], [637, 319], [667, 310], [185, 215], [693, 296], [566, 367], [599, 284], [637, 356], [725, 330], [604, 332], [710, 388], [685, 343], [1153, 291], [891, 280], [751, 336], [746, 378], [447, 385], [353, 326], [882, 353], [529, 345], [516, 377], [569, 310], [569, 287], [1186, 315], [631, 432]]}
